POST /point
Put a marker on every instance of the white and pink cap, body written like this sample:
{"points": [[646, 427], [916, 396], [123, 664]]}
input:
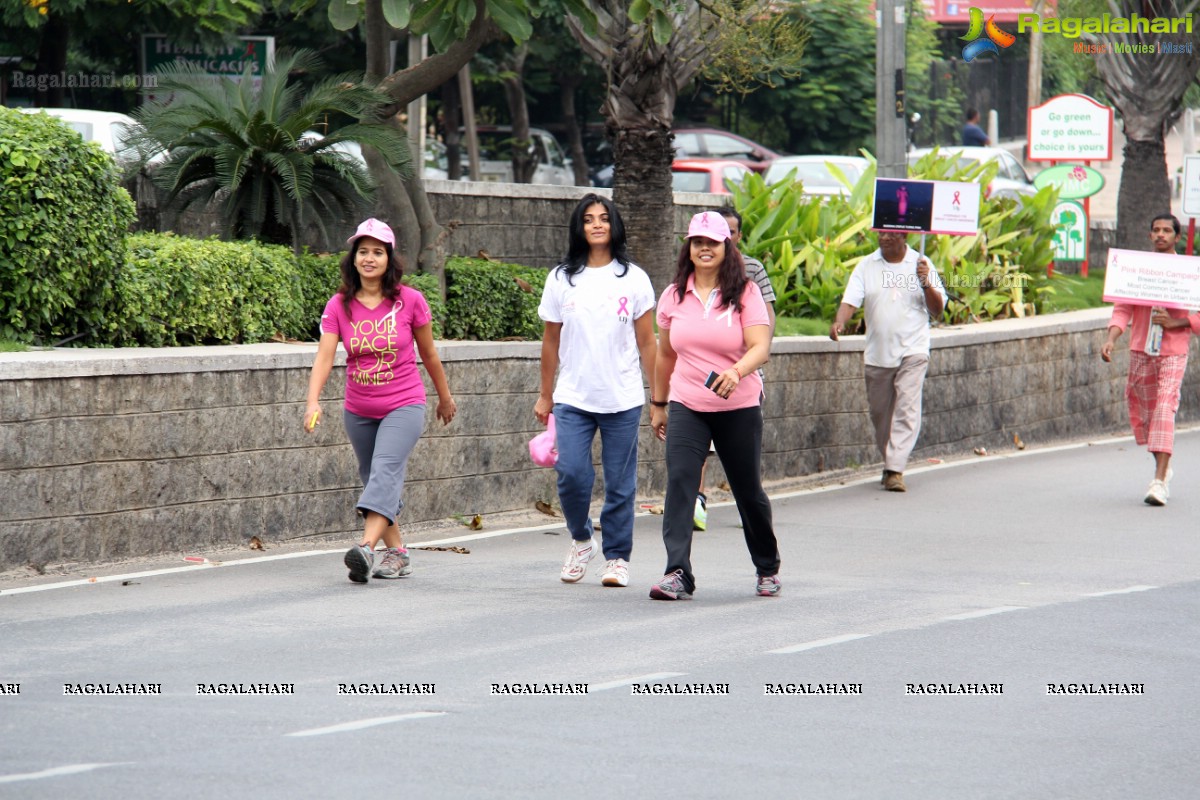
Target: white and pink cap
{"points": [[710, 225], [376, 229]]}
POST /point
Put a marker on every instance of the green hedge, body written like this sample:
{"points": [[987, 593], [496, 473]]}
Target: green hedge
{"points": [[488, 300], [179, 291], [63, 217]]}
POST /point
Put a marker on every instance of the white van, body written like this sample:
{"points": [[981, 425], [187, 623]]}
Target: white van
{"points": [[495, 156], [109, 129]]}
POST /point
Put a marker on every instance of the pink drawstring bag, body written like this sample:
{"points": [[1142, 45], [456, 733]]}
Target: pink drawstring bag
{"points": [[542, 447]]}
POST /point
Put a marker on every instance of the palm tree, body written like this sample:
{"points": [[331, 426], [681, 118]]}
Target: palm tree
{"points": [[1147, 92], [253, 151]]}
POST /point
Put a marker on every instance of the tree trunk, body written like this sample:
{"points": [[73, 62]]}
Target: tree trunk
{"points": [[567, 84], [1145, 192], [524, 159], [643, 194], [451, 122], [52, 61]]}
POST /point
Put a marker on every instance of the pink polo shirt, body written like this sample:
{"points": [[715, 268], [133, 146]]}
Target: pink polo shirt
{"points": [[708, 337], [1174, 340]]}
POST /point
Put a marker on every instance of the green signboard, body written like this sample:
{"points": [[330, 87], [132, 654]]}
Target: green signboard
{"points": [[1071, 231], [253, 52], [1074, 181]]}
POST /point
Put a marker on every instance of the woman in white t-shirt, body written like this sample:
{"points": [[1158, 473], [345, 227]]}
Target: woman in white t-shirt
{"points": [[599, 338]]}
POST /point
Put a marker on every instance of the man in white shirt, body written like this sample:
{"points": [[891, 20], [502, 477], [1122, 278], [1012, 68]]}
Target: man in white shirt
{"points": [[899, 291]]}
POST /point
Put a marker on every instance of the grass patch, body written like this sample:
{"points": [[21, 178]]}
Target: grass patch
{"points": [[12, 347], [1073, 292], [793, 326]]}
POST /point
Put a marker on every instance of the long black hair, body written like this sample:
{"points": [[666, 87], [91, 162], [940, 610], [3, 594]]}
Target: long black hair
{"points": [[577, 244], [731, 275], [352, 281]]}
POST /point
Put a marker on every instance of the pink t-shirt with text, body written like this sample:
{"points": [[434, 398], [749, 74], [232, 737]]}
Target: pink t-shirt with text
{"points": [[381, 362], [710, 339]]}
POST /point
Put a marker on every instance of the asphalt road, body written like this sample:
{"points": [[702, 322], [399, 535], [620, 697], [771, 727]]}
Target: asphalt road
{"points": [[942, 636]]}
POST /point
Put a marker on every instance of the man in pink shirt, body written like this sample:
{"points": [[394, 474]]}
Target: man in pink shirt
{"points": [[1155, 377]]}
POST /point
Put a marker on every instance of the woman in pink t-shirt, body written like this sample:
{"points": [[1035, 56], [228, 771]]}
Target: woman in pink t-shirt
{"points": [[378, 320], [713, 335]]}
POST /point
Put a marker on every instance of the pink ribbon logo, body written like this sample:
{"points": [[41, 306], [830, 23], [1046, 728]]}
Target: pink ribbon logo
{"points": [[623, 308], [956, 199]]}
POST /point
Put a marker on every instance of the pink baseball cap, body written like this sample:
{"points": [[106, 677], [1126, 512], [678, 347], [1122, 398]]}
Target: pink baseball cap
{"points": [[376, 230], [710, 225]]}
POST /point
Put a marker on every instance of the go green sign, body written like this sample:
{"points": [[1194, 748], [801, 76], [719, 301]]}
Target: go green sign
{"points": [[1074, 181]]}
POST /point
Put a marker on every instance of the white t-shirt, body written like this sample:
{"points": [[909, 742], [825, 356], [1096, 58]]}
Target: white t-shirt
{"points": [[599, 365], [894, 304]]}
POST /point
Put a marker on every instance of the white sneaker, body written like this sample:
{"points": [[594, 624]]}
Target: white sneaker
{"points": [[1156, 495], [575, 566], [616, 573], [1167, 482]]}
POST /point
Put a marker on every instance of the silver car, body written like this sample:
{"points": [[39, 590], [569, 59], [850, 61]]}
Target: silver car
{"points": [[813, 172], [1011, 181], [495, 156]]}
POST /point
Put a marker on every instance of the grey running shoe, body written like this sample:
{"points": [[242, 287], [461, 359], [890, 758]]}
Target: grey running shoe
{"points": [[359, 560], [396, 564], [768, 586], [671, 587]]}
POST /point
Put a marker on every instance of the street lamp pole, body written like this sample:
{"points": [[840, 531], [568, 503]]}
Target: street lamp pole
{"points": [[890, 101]]}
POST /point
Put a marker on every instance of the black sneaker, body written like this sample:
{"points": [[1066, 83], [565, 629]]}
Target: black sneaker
{"points": [[359, 560]]}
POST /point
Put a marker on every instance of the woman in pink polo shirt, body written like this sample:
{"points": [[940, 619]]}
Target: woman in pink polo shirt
{"points": [[377, 320], [714, 333]]}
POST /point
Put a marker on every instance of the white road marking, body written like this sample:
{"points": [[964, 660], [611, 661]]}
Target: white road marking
{"points": [[366, 723], [617, 684], [984, 612], [54, 772], [799, 648], [1129, 590]]}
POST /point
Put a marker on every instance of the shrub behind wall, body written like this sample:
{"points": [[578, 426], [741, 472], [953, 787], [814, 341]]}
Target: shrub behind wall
{"points": [[63, 216]]}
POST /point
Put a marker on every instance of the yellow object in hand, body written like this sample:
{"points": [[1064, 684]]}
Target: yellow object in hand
{"points": [[312, 421]]}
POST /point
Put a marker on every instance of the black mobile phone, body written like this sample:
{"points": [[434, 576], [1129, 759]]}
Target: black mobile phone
{"points": [[710, 380]]}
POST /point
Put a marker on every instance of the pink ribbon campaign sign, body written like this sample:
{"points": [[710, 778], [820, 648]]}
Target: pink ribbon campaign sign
{"points": [[1152, 279], [948, 207]]}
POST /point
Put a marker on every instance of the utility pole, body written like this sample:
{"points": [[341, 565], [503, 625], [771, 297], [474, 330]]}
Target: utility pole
{"points": [[891, 106], [1034, 86]]}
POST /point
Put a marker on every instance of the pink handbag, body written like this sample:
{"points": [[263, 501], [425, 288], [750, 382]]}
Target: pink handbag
{"points": [[542, 447]]}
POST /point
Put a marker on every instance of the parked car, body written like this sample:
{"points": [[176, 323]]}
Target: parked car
{"points": [[109, 129], [716, 143], [495, 156], [436, 165], [702, 175], [813, 172], [1011, 181]]}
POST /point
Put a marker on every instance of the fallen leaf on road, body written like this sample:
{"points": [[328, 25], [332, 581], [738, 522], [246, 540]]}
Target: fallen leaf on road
{"points": [[545, 508], [129, 583], [256, 543], [476, 523], [981, 451], [455, 549], [1017, 441], [655, 509]]}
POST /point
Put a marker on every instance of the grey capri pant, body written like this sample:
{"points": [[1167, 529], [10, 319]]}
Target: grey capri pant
{"points": [[383, 447]]}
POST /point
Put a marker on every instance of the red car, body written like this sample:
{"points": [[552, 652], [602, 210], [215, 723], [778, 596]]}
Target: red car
{"points": [[704, 175], [716, 143]]}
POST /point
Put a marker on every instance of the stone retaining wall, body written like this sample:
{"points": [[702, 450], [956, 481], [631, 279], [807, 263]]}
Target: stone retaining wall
{"points": [[112, 453]]}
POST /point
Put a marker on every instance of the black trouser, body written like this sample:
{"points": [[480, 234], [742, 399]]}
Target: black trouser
{"points": [[737, 437]]}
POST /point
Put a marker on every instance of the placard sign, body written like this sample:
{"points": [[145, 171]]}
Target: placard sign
{"points": [[947, 207], [1152, 279], [1070, 127], [1191, 186]]}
